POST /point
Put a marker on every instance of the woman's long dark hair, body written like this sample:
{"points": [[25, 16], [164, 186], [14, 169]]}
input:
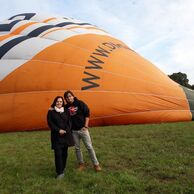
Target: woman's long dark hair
{"points": [[55, 100]]}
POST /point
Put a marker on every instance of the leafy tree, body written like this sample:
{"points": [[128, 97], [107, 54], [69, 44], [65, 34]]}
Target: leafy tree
{"points": [[181, 78]]}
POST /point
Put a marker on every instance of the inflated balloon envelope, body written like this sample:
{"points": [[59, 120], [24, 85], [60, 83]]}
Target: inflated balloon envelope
{"points": [[42, 57]]}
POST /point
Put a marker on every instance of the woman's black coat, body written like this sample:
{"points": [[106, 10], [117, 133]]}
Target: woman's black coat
{"points": [[57, 121]]}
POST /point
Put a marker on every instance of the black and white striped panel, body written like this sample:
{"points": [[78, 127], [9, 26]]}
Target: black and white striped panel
{"points": [[16, 50], [62, 23]]}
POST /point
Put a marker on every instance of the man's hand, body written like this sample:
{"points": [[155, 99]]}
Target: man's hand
{"points": [[84, 128]]}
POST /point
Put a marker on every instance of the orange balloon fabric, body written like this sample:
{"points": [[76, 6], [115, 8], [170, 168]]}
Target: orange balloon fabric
{"points": [[42, 57]]}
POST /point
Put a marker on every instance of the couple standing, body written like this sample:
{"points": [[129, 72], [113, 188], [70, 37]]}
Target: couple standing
{"points": [[68, 124]]}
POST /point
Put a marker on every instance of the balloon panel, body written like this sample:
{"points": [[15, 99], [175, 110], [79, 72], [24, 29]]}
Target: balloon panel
{"points": [[41, 57]]}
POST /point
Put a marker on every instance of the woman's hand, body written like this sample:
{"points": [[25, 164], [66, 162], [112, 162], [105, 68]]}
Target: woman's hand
{"points": [[62, 132]]}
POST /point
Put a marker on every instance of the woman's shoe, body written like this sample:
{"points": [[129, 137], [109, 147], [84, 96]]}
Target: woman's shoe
{"points": [[60, 176]]}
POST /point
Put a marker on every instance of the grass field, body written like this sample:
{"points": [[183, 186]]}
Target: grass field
{"points": [[137, 159]]}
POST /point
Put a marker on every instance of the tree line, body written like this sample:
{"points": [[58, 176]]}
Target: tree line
{"points": [[181, 78]]}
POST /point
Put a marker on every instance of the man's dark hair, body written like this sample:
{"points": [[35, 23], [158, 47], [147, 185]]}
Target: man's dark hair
{"points": [[55, 100], [68, 92]]}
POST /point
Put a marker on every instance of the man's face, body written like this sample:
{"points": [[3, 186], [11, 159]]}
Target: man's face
{"points": [[70, 98]]}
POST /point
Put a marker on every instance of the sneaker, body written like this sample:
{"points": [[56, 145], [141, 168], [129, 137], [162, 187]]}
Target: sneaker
{"points": [[97, 168], [81, 167], [60, 176]]}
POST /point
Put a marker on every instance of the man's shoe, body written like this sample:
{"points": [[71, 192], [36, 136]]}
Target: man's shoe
{"points": [[97, 168], [81, 167], [60, 176]]}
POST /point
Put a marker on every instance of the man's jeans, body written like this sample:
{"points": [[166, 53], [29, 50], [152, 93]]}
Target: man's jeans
{"points": [[85, 136]]}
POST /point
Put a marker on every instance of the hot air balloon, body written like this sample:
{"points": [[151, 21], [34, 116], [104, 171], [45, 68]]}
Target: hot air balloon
{"points": [[42, 57]]}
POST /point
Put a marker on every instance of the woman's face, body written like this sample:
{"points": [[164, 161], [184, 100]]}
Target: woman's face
{"points": [[59, 103], [70, 98]]}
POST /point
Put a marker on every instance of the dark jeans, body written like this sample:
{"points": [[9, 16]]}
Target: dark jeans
{"points": [[60, 159]]}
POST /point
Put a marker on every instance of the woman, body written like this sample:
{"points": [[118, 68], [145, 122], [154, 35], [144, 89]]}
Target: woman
{"points": [[61, 138]]}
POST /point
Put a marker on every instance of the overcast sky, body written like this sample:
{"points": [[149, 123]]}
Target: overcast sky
{"points": [[162, 31]]}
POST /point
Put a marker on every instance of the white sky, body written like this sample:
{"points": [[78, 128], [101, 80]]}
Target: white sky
{"points": [[162, 31]]}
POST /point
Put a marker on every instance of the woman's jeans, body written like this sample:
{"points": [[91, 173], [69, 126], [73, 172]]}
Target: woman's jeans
{"points": [[85, 136]]}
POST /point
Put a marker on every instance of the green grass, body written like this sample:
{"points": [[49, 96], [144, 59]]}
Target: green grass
{"points": [[156, 158]]}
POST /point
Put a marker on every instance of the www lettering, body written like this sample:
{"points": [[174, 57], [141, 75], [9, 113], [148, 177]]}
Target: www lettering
{"points": [[96, 61]]}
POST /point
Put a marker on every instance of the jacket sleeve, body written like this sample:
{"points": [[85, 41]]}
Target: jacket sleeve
{"points": [[50, 122], [85, 109], [69, 122]]}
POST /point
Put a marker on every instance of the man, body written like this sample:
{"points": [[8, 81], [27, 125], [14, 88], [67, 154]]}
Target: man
{"points": [[80, 113]]}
